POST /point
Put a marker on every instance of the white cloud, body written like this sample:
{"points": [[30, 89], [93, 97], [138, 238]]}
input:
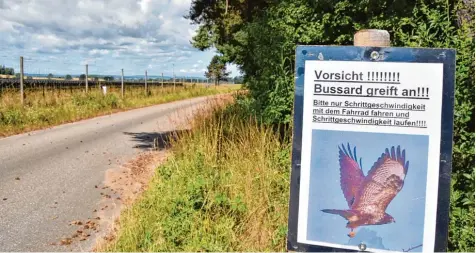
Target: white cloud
{"points": [[99, 52], [88, 61], [117, 34], [144, 5]]}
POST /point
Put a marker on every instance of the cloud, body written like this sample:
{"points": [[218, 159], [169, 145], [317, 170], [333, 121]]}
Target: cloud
{"points": [[144, 5], [129, 34], [99, 52]]}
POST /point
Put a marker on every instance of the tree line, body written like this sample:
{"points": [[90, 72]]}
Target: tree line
{"points": [[260, 37], [6, 71]]}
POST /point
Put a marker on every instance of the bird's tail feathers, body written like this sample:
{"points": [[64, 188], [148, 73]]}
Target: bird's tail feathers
{"points": [[344, 213]]}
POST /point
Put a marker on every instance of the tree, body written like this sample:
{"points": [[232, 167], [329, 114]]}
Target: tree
{"points": [[217, 69], [82, 77], [50, 76], [68, 77], [6, 71], [108, 78], [260, 37]]}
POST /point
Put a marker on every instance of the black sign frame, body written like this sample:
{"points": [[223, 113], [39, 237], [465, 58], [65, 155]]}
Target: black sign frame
{"points": [[385, 54]]}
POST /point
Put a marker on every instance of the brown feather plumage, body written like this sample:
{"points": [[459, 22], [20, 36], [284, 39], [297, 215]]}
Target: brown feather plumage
{"points": [[369, 196]]}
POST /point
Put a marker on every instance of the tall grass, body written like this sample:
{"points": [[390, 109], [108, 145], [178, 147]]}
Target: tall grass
{"points": [[224, 189], [44, 108]]}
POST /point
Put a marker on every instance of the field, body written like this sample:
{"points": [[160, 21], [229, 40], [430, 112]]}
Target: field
{"points": [[48, 106], [56, 83]]}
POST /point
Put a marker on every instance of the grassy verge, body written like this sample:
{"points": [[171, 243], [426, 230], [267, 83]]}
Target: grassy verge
{"points": [[53, 107], [224, 189]]}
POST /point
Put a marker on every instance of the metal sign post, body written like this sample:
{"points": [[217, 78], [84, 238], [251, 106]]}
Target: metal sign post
{"points": [[372, 148]]}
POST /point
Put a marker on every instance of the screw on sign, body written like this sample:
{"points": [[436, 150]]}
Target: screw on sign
{"points": [[372, 147], [362, 246], [374, 55]]}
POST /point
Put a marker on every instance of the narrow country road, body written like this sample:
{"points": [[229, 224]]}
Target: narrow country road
{"points": [[49, 178]]}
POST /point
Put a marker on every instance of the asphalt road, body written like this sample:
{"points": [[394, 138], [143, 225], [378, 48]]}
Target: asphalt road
{"points": [[48, 177]]}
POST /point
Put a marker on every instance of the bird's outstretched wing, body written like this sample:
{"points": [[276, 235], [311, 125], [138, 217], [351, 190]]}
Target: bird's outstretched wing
{"points": [[384, 180], [351, 175]]}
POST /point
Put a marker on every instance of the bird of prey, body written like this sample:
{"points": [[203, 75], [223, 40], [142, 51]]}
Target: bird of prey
{"points": [[368, 196]]}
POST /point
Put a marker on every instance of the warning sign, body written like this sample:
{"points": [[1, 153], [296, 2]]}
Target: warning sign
{"points": [[369, 164]]}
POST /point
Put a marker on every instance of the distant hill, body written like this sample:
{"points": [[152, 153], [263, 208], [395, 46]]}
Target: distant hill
{"points": [[237, 80], [118, 76]]}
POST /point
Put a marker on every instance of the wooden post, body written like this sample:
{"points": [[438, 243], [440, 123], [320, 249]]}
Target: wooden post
{"points": [[86, 77], [146, 82], [162, 80], [21, 79], [122, 83], [372, 38], [173, 73]]}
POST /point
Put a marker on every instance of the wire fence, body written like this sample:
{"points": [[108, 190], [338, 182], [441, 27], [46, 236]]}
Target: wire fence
{"points": [[40, 79]]}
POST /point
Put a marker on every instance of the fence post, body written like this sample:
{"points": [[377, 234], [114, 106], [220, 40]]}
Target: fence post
{"points": [[162, 80], [21, 80], [122, 83], [86, 78], [146, 83]]}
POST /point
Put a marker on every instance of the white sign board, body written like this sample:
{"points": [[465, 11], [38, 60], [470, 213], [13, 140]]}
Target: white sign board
{"points": [[371, 106]]}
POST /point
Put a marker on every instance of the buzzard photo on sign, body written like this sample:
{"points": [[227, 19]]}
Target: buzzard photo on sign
{"points": [[368, 188], [368, 196]]}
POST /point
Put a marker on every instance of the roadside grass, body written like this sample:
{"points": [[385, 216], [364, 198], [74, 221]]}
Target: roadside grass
{"points": [[57, 106], [225, 188]]}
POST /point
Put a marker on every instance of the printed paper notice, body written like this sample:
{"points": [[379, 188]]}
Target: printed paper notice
{"points": [[370, 154]]}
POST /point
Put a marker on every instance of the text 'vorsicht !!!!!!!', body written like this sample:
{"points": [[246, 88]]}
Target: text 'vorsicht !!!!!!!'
{"points": [[328, 84]]}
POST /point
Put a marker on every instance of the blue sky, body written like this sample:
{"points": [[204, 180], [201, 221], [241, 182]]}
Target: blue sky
{"points": [[408, 207], [60, 37]]}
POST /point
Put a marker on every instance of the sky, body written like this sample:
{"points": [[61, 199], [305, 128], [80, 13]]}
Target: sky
{"points": [[407, 208], [61, 36]]}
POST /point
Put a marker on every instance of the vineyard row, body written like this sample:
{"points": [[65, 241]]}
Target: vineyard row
{"points": [[34, 83]]}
